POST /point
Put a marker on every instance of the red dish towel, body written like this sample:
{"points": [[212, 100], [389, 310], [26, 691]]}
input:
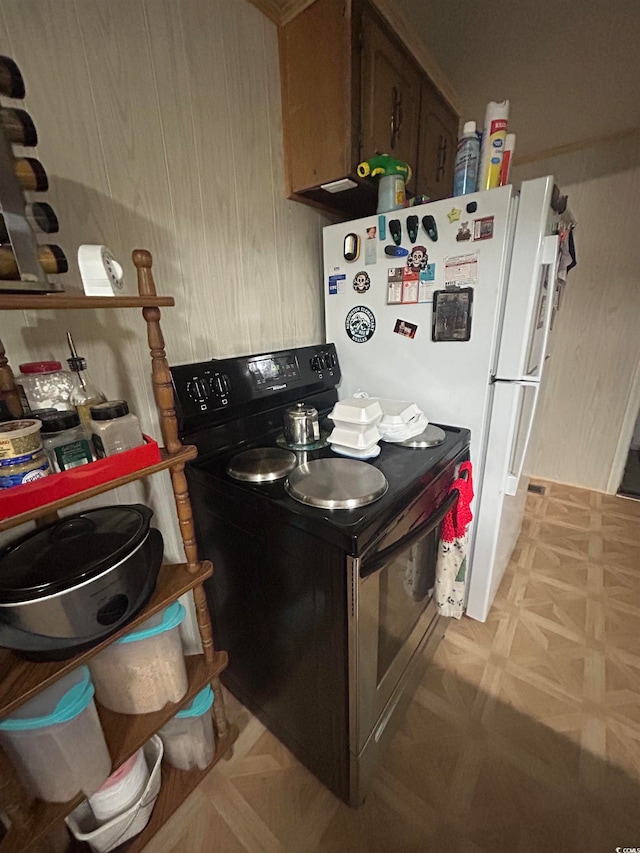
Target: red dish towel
{"points": [[458, 518], [451, 566]]}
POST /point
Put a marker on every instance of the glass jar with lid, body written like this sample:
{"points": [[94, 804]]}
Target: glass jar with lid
{"points": [[46, 385], [65, 441]]}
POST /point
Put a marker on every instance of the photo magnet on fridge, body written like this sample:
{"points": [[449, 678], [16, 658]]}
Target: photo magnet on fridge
{"points": [[406, 329], [483, 228], [452, 311]]}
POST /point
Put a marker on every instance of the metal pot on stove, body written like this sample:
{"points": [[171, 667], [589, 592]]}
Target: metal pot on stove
{"points": [[66, 586], [301, 425]]}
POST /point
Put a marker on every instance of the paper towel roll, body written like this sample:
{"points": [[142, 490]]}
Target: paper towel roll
{"points": [[493, 140]]}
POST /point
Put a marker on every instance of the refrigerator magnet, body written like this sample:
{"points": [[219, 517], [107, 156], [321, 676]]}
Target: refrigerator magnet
{"points": [[454, 214], [360, 324], [429, 225], [370, 250], [452, 311], [483, 228], [407, 330], [410, 284], [412, 228], [464, 232], [395, 229], [336, 283], [351, 248], [394, 286], [417, 259], [428, 273], [361, 282]]}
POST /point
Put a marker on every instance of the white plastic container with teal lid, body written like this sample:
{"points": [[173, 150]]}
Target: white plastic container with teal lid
{"points": [[55, 740], [188, 737], [144, 670]]}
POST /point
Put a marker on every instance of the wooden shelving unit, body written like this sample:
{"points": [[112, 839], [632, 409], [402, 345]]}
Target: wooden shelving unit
{"points": [[20, 680], [59, 301], [167, 461]]}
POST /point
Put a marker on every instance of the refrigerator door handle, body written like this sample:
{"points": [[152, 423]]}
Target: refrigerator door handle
{"points": [[522, 434], [549, 255]]}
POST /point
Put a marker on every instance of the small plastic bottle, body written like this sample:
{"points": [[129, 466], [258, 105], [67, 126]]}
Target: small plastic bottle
{"points": [[65, 441], [465, 179], [113, 428]]}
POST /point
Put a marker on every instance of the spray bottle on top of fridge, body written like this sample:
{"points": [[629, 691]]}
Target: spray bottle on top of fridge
{"points": [[465, 178], [493, 141]]}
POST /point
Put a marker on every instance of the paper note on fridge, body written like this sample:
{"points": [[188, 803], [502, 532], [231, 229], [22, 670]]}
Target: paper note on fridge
{"points": [[461, 270]]}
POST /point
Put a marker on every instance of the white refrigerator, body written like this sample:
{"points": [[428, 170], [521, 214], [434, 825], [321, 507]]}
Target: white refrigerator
{"points": [[460, 326]]}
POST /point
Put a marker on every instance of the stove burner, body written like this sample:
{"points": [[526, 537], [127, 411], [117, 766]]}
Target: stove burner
{"points": [[261, 465], [281, 441], [336, 483], [431, 437]]}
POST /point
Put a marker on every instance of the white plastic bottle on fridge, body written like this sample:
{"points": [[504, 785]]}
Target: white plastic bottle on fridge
{"points": [[465, 178]]}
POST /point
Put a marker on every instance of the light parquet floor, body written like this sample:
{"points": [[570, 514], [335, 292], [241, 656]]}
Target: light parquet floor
{"points": [[524, 736]]}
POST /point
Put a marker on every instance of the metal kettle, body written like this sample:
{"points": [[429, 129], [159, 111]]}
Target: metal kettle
{"points": [[301, 425]]}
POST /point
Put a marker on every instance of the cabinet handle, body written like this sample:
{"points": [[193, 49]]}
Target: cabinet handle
{"points": [[399, 122], [442, 156], [394, 117]]}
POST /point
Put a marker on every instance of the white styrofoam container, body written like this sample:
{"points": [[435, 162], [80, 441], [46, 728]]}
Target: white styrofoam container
{"points": [[352, 435], [107, 836], [397, 412], [356, 410]]}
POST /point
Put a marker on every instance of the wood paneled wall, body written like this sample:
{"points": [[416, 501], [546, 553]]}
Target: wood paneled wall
{"points": [[590, 396], [160, 127]]}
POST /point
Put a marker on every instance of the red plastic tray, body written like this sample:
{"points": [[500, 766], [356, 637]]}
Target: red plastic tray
{"points": [[55, 487]]}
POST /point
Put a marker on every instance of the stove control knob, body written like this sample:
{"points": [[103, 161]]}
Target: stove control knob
{"points": [[316, 364], [197, 389], [331, 360], [221, 384]]}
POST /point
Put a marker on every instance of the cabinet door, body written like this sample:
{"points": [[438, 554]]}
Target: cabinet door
{"points": [[437, 145], [390, 96]]}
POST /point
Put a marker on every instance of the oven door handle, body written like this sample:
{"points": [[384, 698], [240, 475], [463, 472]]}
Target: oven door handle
{"points": [[369, 567]]}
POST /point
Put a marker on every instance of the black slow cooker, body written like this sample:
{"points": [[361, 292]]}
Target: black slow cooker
{"points": [[66, 586]]}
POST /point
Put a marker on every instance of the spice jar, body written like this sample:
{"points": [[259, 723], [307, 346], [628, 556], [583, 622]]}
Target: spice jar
{"points": [[46, 385], [113, 428], [64, 440]]}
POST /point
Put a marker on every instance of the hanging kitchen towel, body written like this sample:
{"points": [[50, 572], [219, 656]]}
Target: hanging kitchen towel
{"points": [[451, 566]]}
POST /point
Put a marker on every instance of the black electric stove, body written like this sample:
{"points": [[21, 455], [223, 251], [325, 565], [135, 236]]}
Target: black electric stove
{"points": [[280, 595]]}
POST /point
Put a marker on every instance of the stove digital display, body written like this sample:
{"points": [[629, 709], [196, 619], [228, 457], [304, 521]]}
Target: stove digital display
{"points": [[273, 372]]}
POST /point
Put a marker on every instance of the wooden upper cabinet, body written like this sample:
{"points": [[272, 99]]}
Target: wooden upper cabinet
{"points": [[350, 90], [436, 145], [390, 96]]}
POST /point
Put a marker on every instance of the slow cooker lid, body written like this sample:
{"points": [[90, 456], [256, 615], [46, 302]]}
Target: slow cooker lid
{"points": [[70, 551]]}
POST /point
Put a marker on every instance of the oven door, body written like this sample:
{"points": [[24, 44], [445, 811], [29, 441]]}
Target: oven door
{"points": [[392, 609]]}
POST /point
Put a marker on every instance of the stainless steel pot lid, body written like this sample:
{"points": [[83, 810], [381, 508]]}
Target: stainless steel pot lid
{"points": [[336, 483], [70, 551], [431, 437], [261, 465]]}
